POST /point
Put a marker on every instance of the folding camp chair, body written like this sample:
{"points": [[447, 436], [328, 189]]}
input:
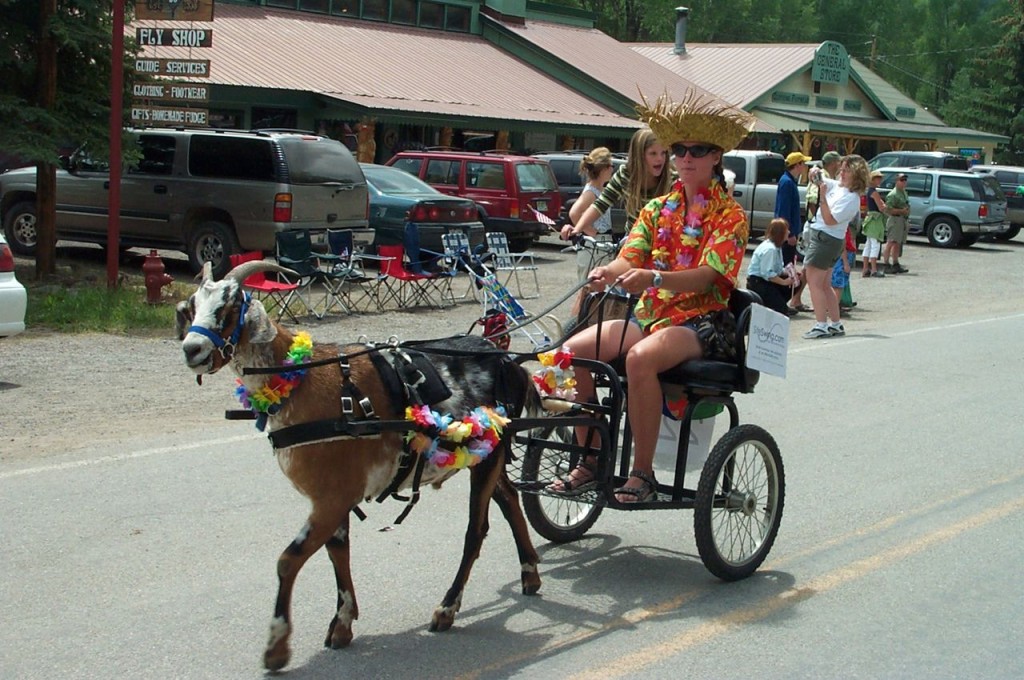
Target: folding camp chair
{"points": [[504, 260], [356, 284], [456, 247], [404, 287], [271, 293], [295, 251]]}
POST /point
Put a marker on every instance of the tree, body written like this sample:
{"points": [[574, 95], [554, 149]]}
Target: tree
{"points": [[78, 34], [988, 93]]}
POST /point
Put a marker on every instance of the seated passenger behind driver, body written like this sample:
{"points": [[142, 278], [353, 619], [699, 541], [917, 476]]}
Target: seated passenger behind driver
{"points": [[682, 257]]}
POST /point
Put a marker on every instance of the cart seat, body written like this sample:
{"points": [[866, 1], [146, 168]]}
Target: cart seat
{"points": [[722, 376]]}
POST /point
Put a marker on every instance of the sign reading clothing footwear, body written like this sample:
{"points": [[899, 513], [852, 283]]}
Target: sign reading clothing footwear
{"points": [[768, 342]]}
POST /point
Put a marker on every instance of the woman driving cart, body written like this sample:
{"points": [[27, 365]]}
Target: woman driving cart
{"points": [[682, 257]]}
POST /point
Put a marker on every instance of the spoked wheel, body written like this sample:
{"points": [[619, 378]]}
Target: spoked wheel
{"points": [[738, 504], [560, 518]]}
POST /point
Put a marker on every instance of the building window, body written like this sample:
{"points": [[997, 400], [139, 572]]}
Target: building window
{"points": [[403, 12], [346, 8], [226, 119], [457, 19], [315, 5], [431, 15], [376, 10], [266, 117]]}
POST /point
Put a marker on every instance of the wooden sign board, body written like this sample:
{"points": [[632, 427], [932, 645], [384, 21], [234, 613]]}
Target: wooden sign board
{"points": [[174, 37], [174, 10], [171, 91], [182, 68], [170, 117]]}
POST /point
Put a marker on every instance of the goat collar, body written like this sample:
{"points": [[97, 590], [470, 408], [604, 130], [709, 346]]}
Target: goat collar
{"points": [[226, 347]]}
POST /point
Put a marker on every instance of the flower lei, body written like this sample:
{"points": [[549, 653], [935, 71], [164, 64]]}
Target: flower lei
{"points": [[685, 245], [447, 442], [556, 378], [270, 398]]}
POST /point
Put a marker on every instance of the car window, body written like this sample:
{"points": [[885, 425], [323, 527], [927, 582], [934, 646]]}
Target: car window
{"points": [[230, 157], [957, 189], [409, 165], [392, 181], [1006, 177], [953, 163], [739, 167], [989, 189], [315, 160], [535, 177], [156, 155], [883, 161], [484, 175], [919, 185], [770, 169], [442, 172], [567, 171]]}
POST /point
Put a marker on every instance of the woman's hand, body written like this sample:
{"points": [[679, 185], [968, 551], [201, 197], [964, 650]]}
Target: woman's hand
{"points": [[600, 277], [568, 231], [636, 281]]}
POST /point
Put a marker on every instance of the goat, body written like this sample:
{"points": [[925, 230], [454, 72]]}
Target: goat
{"points": [[220, 325]]}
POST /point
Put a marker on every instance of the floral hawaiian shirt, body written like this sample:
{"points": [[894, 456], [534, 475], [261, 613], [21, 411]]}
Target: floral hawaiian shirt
{"points": [[714, 233]]}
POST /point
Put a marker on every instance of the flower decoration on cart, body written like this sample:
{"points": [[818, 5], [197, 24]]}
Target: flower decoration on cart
{"points": [[556, 377], [269, 399], [447, 442]]}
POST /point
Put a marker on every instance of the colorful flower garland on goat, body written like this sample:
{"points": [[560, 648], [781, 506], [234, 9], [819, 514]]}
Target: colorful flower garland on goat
{"points": [[447, 442], [269, 399]]}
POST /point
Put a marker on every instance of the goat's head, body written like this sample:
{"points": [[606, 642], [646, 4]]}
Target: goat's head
{"points": [[220, 315]]}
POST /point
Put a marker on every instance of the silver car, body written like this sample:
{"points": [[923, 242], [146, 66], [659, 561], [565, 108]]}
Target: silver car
{"points": [[951, 207], [13, 299]]}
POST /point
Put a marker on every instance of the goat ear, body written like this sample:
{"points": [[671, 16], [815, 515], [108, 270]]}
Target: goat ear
{"points": [[184, 312], [261, 328]]}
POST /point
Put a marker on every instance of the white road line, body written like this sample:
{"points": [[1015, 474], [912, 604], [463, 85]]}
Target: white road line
{"points": [[145, 453]]}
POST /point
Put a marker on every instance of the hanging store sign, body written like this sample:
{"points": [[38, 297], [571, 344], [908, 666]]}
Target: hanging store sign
{"points": [[168, 91], [158, 115], [174, 37], [831, 63], [183, 68], [174, 10]]}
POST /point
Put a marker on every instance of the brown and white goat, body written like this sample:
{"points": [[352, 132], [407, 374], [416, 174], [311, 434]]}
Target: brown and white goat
{"points": [[339, 473]]}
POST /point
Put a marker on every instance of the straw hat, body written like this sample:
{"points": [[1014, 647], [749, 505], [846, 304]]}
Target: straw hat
{"points": [[697, 118]]}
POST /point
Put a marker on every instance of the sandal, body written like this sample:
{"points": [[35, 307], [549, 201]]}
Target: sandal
{"points": [[645, 492], [582, 478]]}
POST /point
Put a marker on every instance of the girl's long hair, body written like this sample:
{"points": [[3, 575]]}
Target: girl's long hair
{"points": [[637, 193]]}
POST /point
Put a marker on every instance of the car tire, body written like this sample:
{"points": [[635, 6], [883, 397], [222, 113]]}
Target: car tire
{"points": [[214, 242], [20, 228], [1009, 233], [944, 232]]}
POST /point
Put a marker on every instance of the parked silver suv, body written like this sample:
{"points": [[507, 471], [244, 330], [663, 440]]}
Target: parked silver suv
{"points": [[1011, 179], [951, 207], [208, 193]]}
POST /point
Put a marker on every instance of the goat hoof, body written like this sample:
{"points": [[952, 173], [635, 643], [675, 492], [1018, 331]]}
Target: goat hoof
{"points": [[531, 583], [276, 659], [443, 619], [338, 636]]}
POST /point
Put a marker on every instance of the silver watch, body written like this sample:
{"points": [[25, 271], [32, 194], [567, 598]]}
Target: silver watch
{"points": [[657, 280]]}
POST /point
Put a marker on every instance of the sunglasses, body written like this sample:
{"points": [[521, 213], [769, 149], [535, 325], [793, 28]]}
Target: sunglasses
{"points": [[696, 150]]}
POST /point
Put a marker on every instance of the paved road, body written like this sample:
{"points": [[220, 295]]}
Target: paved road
{"points": [[898, 554]]}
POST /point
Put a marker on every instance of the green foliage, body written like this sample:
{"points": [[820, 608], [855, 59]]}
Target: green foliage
{"points": [[96, 308], [83, 31]]}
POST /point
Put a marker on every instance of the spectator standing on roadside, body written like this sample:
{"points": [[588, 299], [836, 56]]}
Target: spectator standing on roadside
{"points": [[597, 169], [839, 204], [787, 207], [766, 273], [645, 175], [897, 207], [873, 228], [843, 266]]}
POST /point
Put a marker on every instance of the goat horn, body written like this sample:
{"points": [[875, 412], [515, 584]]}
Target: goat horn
{"points": [[247, 269]]}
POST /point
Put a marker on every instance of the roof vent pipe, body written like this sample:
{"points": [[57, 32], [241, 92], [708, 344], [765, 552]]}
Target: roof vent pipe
{"points": [[682, 16]]}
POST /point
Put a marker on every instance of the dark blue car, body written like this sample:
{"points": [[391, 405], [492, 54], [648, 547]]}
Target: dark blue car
{"points": [[400, 201]]}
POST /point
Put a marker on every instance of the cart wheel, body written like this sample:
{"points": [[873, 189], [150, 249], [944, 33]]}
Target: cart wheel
{"points": [[558, 518], [738, 504]]}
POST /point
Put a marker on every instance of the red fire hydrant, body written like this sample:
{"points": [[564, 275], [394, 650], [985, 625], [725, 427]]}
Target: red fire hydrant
{"points": [[156, 279]]}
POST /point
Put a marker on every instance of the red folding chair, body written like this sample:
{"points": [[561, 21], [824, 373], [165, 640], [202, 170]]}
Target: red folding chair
{"points": [[269, 292], [405, 287]]}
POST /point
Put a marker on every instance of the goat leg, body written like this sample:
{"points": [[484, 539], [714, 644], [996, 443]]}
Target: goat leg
{"points": [[507, 498], [339, 633], [483, 479]]}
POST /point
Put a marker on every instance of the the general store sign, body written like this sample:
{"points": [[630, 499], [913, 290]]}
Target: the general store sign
{"points": [[831, 63], [158, 115], [174, 10], [183, 68], [174, 37], [183, 92]]}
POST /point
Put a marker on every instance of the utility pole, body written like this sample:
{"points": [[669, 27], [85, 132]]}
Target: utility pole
{"points": [[46, 173], [116, 92]]}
